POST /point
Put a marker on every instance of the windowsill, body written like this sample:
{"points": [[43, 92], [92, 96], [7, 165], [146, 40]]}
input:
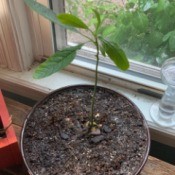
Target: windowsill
{"points": [[66, 78], [110, 74]]}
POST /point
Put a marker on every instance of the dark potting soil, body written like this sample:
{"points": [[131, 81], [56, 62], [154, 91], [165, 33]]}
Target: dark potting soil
{"points": [[55, 141]]}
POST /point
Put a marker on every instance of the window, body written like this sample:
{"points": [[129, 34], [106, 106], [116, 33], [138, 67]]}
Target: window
{"points": [[143, 28], [122, 15]]}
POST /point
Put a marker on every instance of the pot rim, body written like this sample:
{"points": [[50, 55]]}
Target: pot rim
{"points": [[86, 86]]}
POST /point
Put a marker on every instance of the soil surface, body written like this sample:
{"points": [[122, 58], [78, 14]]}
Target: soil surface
{"points": [[56, 142]]}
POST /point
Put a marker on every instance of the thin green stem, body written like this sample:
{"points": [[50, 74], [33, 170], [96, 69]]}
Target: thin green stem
{"points": [[95, 41], [91, 119]]}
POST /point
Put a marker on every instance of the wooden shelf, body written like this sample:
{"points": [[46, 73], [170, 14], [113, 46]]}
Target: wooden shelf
{"points": [[19, 111]]}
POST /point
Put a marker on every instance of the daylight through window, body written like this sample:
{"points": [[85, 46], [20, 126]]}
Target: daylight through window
{"points": [[143, 28]]}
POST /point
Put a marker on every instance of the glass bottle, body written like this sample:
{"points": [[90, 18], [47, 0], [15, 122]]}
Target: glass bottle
{"points": [[163, 113]]}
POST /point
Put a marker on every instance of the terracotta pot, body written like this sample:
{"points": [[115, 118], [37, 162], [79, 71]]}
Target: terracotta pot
{"points": [[142, 163], [9, 149]]}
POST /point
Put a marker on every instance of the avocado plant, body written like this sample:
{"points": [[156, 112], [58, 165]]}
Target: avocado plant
{"points": [[62, 58]]}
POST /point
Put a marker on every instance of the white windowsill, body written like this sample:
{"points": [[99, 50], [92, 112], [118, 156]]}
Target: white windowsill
{"points": [[66, 78], [115, 74]]}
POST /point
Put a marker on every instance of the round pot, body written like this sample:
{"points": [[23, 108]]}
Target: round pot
{"points": [[69, 88]]}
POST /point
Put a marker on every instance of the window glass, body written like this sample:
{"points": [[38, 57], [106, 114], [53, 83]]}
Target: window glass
{"points": [[145, 29]]}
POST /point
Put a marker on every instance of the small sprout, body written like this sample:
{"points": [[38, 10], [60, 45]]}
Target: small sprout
{"points": [[88, 124]]}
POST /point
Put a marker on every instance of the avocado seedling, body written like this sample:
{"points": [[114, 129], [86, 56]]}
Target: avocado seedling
{"points": [[64, 57]]}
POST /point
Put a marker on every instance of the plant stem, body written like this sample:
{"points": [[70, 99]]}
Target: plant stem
{"points": [[91, 118]]}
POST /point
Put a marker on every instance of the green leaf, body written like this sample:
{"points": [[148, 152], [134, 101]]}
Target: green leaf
{"points": [[146, 4], [42, 10], [135, 43], [108, 30], [122, 34], [102, 50], [45, 12], [116, 54], [167, 36], [140, 21], [130, 5], [56, 62], [71, 20], [162, 4], [163, 21], [125, 17], [98, 18], [172, 42], [155, 39]]}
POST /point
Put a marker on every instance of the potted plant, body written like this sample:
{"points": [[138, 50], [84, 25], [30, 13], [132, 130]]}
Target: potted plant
{"points": [[92, 126], [9, 149]]}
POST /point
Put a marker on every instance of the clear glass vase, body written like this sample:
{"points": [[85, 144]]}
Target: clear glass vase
{"points": [[163, 112]]}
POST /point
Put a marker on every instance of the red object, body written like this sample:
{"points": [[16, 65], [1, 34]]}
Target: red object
{"points": [[9, 150]]}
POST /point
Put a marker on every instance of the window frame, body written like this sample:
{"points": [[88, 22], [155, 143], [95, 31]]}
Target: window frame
{"points": [[150, 73], [59, 34], [15, 41]]}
